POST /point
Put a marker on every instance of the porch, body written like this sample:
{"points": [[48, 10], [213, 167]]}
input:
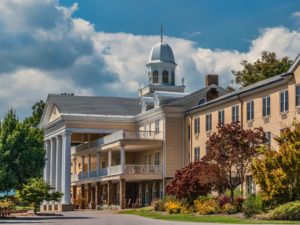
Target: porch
{"points": [[117, 193]]}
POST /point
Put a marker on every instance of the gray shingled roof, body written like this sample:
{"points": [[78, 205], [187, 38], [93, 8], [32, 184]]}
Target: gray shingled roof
{"points": [[96, 105], [186, 100], [254, 86]]}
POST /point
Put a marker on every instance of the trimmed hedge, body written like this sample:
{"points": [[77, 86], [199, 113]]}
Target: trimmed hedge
{"points": [[288, 211]]}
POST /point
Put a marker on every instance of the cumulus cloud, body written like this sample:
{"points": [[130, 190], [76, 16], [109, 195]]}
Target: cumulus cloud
{"points": [[46, 50]]}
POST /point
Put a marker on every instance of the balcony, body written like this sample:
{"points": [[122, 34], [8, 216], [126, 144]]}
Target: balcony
{"points": [[119, 135], [118, 170]]}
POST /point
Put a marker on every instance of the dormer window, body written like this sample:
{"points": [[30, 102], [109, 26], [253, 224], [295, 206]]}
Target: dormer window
{"points": [[165, 77], [201, 101], [155, 77]]}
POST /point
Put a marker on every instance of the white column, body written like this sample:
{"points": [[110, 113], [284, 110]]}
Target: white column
{"points": [[122, 158], [53, 163], [66, 168], [47, 162], [109, 158], [89, 165], [58, 163]]}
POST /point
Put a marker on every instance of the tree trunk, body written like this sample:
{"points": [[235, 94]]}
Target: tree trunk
{"points": [[35, 208], [231, 195]]}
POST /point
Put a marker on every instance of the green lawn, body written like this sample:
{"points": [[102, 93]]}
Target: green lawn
{"points": [[205, 219], [24, 207]]}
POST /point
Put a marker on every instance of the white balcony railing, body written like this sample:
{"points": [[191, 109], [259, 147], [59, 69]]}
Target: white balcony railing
{"points": [[118, 170], [119, 135]]}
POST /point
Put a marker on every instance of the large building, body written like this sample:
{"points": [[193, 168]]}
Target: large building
{"points": [[122, 151]]}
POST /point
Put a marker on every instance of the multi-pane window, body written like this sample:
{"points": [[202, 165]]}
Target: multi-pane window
{"points": [[284, 101], [197, 125], [268, 137], [155, 77], [197, 154], [150, 159], [298, 95], [266, 106], [165, 77], [250, 110], [221, 116], [250, 185], [235, 113], [156, 126], [156, 158], [208, 122]]}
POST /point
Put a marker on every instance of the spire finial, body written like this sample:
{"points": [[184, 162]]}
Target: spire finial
{"points": [[161, 33]]}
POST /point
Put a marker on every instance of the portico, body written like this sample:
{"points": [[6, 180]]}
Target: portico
{"points": [[57, 170]]}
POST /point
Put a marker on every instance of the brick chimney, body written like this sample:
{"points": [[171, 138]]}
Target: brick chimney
{"points": [[211, 79], [213, 92]]}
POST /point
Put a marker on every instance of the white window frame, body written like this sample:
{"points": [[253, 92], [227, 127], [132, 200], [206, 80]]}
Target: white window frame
{"points": [[196, 125], [197, 154], [297, 96], [266, 106], [235, 113], [157, 126], [269, 137], [208, 122], [285, 101], [250, 110], [156, 158], [221, 116]]}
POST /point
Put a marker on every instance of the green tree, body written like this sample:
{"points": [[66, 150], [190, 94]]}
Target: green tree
{"points": [[268, 66], [37, 112], [21, 152], [278, 172], [35, 191]]}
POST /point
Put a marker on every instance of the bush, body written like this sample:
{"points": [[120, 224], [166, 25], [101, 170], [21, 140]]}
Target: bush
{"points": [[252, 205], [238, 203], [173, 206], [205, 205], [6, 204], [223, 199], [158, 205], [288, 211], [229, 208]]}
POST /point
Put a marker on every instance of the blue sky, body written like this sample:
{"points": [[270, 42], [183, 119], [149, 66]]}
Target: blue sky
{"points": [[95, 47], [229, 24]]}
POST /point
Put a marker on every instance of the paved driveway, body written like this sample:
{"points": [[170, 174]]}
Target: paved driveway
{"points": [[91, 218]]}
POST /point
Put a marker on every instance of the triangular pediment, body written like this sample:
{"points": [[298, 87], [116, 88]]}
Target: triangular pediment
{"points": [[55, 114]]}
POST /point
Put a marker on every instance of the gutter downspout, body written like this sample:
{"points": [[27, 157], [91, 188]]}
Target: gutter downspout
{"points": [[242, 111], [190, 140]]}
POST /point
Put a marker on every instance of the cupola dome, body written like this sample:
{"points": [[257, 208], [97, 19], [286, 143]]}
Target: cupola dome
{"points": [[161, 52]]}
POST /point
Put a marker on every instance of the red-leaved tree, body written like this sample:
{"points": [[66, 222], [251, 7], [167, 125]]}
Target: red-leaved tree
{"points": [[232, 149], [193, 180]]}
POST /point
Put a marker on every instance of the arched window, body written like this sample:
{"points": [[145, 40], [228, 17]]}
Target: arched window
{"points": [[155, 77], [173, 78], [165, 77]]}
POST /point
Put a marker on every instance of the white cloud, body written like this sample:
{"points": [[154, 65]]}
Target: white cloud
{"points": [[46, 50], [296, 14]]}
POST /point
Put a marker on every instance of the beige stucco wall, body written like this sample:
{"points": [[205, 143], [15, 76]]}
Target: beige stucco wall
{"points": [[174, 151], [276, 120]]}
